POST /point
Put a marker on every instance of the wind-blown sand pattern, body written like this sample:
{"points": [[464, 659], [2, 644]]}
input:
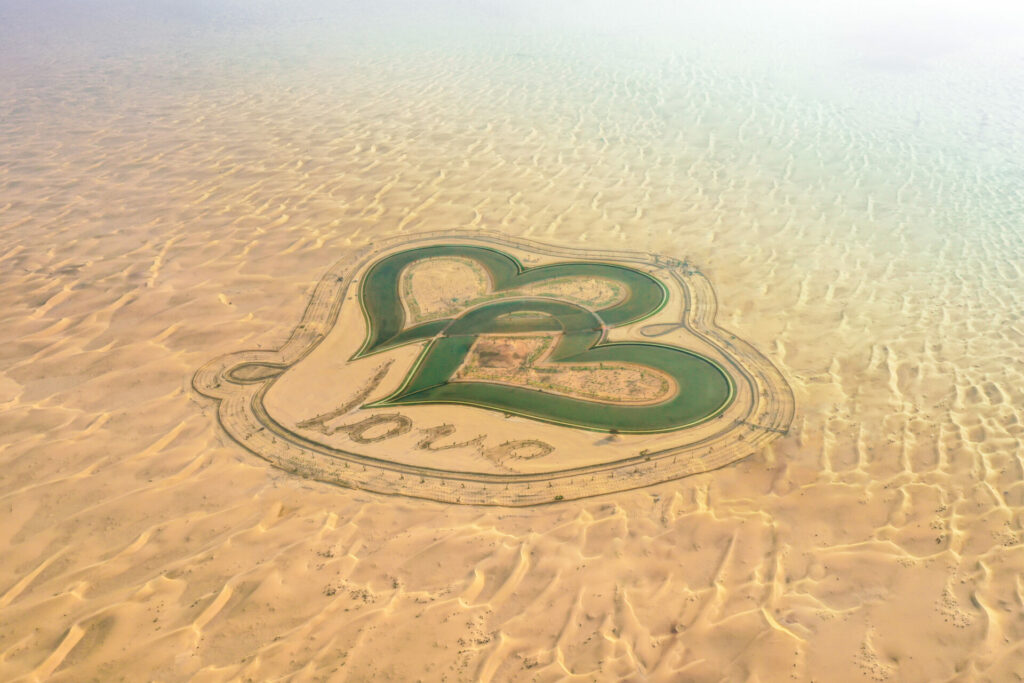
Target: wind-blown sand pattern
{"points": [[173, 186]]}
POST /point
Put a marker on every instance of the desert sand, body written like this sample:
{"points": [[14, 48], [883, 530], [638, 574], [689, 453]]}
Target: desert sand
{"points": [[174, 183]]}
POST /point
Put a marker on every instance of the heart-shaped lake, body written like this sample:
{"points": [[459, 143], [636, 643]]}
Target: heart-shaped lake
{"points": [[537, 301]]}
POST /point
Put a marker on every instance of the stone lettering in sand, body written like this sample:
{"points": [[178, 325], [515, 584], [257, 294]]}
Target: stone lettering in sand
{"points": [[478, 369]]}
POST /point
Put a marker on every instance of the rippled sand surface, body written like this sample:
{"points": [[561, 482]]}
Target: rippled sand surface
{"points": [[175, 178]]}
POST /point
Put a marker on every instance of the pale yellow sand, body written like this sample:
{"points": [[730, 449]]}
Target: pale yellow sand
{"points": [[158, 213]]}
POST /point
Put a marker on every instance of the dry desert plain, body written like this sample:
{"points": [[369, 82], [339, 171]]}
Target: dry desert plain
{"points": [[175, 180]]}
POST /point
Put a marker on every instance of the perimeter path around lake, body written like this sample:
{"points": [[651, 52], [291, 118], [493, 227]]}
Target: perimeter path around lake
{"points": [[761, 409]]}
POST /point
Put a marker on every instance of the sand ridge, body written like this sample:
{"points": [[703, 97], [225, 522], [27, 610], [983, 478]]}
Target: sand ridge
{"points": [[170, 194]]}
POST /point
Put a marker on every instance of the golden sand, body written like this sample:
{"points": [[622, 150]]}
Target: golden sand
{"points": [[165, 206]]}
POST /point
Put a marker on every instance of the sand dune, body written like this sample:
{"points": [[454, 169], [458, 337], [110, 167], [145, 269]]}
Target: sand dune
{"points": [[164, 202]]}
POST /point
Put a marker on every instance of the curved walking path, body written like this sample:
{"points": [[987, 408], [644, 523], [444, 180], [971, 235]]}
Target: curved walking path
{"points": [[761, 409]]}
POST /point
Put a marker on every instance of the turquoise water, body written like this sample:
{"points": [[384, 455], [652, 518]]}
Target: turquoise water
{"points": [[703, 389]]}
